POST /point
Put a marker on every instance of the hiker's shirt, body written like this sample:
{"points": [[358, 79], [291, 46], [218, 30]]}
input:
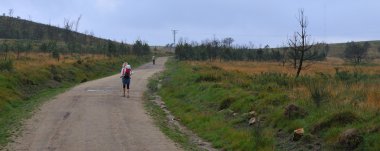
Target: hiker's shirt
{"points": [[122, 72]]}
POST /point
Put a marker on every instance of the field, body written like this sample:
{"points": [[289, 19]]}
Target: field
{"points": [[27, 82], [330, 67], [218, 99]]}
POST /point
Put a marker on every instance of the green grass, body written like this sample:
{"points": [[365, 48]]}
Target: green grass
{"points": [[160, 119], [19, 110], [21, 92], [206, 97]]}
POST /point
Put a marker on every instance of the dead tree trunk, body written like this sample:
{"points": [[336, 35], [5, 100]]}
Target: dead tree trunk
{"points": [[300, 44]]}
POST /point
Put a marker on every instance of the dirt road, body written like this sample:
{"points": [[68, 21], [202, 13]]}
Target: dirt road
{"points": [[95, 117]]}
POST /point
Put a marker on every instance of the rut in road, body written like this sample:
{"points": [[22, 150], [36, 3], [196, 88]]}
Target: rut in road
{"points": [[94, 116]]}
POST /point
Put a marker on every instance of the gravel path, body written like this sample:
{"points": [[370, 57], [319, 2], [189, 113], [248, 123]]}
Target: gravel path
{"points": [[95, 117]]}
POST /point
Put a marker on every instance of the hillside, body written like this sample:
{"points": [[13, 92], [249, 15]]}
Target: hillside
{"points": [[19, 35], [38, 61], [337, 49], [16, 28]]}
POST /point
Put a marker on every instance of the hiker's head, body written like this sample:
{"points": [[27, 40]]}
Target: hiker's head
{"points": [[125, 64], [128, 66]]}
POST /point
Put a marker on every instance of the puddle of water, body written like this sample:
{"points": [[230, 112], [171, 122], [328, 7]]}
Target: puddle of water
{"points": [[100, 90], [94, 90]]}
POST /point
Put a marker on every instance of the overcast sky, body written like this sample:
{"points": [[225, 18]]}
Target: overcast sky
{"points": [[247, 21]]}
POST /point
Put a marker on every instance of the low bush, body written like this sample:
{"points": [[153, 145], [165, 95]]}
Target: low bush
{"points": [[6, 65], [338, 119], [318, 91]]}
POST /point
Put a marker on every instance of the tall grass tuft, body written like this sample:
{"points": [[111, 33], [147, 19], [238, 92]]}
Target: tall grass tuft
{"points": [[318, 91], [351, 77], [281, 79], [6, 65]]}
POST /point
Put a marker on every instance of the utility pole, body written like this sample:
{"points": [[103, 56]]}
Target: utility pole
{"points": [[174, 33]]}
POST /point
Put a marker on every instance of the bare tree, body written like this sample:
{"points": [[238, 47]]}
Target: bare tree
{"points": [[301, 45], [227, 41], [284, 54], [69, 35], [356, 52], [67, 24], [10, 12], [77, 23], [19, 47], [293, 45]]}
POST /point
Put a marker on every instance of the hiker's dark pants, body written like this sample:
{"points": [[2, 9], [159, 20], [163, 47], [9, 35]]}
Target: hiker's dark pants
{"points": [[126, 81]]}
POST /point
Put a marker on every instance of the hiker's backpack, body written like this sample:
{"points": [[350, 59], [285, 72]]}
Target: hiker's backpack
{"points": [[127, 73]]}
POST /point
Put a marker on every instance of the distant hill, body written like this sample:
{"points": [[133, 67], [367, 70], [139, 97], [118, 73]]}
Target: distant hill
{"points": [[337, 49], [16, 28], [16, 34], [12, 28]]}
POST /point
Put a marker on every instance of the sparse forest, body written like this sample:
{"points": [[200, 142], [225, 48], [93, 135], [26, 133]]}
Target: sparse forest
{"points": [[216, 50], [22, 37]]}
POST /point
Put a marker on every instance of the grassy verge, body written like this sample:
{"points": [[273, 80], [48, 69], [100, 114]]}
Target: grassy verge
{"points": [[23, 90], [161, 120], [11, 118], [215, 104]]}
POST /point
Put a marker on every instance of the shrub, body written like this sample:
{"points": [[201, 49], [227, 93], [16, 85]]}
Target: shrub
{"points": [[293, 112], [55, 74], [6, 65], [56, 55], [209, 77], [267, 77], [349, 77], [338, 119], [318, 91], [226, 103], [79, 61]]}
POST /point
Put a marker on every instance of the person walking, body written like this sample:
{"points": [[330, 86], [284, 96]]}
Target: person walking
{"points": [[154, 60], [126, 73]]}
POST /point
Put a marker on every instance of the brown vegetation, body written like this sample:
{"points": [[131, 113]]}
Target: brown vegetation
{"points": [[331, 66]]}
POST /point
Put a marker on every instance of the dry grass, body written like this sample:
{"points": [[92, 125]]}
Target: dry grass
{"points": [[329, 66], [38, 60], [373, 97], [368, 92], [329, 101]]}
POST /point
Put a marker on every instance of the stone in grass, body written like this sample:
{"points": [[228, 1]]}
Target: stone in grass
{"points": [[253, 113], [350, 139], [252, 121], [248, 115], [298, 133], [159, 86]]}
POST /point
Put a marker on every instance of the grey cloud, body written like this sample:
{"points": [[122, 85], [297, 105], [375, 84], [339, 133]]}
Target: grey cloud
{"points": [[261, 22]]}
